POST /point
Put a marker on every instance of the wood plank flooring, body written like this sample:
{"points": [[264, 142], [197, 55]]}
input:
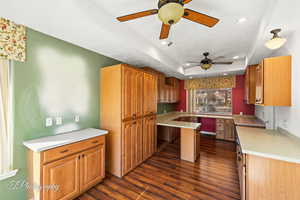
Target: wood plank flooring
{"points": [[164, 176]]}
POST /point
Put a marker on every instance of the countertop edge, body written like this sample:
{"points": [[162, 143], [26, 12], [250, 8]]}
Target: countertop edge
{"points": [[271, 156], [36, 149], [177, 126]]}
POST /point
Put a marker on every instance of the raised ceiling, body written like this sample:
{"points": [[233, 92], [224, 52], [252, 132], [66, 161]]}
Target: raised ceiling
{"points": [[91, 24]]}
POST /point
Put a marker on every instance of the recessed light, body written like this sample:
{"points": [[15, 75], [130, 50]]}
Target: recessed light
{"points": [[235, 57], [190, 77], [241, 20], [225, 74], [187, 64], [164, 42]]}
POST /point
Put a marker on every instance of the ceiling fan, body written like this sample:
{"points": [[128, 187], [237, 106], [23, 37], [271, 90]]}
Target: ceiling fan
{"points": [[206, 63], [170, 12]]}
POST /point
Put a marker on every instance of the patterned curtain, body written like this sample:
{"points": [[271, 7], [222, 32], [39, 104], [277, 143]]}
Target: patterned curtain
{"points": [[210, 83], [12, 40]]}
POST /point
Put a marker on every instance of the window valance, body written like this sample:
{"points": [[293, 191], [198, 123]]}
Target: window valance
{"points": [[210, 83], [12, 40]]}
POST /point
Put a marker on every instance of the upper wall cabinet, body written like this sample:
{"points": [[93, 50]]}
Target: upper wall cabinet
{"points": [[167, 88], [273, 82], [250, 84]]}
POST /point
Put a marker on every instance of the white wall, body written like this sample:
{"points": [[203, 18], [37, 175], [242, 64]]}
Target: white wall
{"points": [[286, 15]]}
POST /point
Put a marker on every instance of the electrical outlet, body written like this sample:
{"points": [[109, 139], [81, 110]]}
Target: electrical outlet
{"points": [[76, 118], [58, 120], [49, 122]]}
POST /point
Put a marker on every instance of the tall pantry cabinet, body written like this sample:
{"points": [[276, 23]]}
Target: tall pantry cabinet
{"points": [[128, 98]]}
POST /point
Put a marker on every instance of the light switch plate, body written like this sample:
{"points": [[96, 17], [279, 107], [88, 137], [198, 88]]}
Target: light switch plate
{"points": [[58, 120], [76, 118], [49, 121]]}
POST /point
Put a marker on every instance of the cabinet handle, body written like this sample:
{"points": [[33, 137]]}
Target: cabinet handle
{"points": [[239, 158], [82, 155], [64, 151], [95, 142], [133, 122], [134, 116]]}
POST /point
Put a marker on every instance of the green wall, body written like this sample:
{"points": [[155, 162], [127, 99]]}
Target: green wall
{"points": [[58, 79], [168, 107]]}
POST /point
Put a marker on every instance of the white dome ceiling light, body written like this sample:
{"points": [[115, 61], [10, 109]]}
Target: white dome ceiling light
{"points": [[276, 42]]}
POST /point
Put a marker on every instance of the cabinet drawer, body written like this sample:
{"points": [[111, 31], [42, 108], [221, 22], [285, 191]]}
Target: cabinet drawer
{"points": [[59, 152]]}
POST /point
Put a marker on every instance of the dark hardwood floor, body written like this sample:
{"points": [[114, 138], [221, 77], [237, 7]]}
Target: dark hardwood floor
{"points": [[164, 176]]}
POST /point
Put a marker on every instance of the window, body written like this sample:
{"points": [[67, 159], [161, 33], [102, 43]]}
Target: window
{"points": [[216, 101], [5, 128]]}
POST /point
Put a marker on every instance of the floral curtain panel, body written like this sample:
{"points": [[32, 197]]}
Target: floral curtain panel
{"points": [[210, 83], [12, 40]]}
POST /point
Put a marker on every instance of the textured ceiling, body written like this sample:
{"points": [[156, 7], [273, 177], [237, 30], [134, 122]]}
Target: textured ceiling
{"points": [[92, 25]]}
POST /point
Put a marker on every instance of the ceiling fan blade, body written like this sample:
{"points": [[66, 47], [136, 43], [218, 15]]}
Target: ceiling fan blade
{"points": [[222, 63], [186, 1], [200, 18], [137, 15], [192, 62], [164, 33], [191, 66], [218, 57]]}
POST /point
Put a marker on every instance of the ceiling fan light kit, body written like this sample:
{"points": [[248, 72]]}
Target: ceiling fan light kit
{"points": [[276, 42], [170, 12], [207, 63]]}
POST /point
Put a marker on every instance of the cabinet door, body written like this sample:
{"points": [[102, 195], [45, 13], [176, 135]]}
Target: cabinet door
{"points": [[229, 130], [150, 94], [259, 97], [128, 78], [126, 147], [92, 166], [139, 76], [138, 150], [149, 137], [65, 174]]}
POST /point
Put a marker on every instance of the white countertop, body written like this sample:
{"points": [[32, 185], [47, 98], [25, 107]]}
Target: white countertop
{"points": [[45, 143], [167, 119], [269, 143]]}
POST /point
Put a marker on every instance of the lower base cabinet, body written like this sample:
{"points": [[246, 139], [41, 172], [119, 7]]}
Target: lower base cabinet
{"points": [[65, 172], [267, 179], [149, 137], [225, 129]]}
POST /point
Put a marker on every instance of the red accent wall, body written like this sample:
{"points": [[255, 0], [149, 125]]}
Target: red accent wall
{"points": [[208, 124], [238, 104]]}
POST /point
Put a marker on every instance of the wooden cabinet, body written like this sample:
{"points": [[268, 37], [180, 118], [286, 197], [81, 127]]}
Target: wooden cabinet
{"points": [[132, 92], [70, 169], [149, 136], [92, 167], [241, 165], [273, 82], [225, 129], [250, 84], [132, 144], [65, 174], [259, 85], [128, 96], [263, 178], [150, 94], [167, 88]]}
